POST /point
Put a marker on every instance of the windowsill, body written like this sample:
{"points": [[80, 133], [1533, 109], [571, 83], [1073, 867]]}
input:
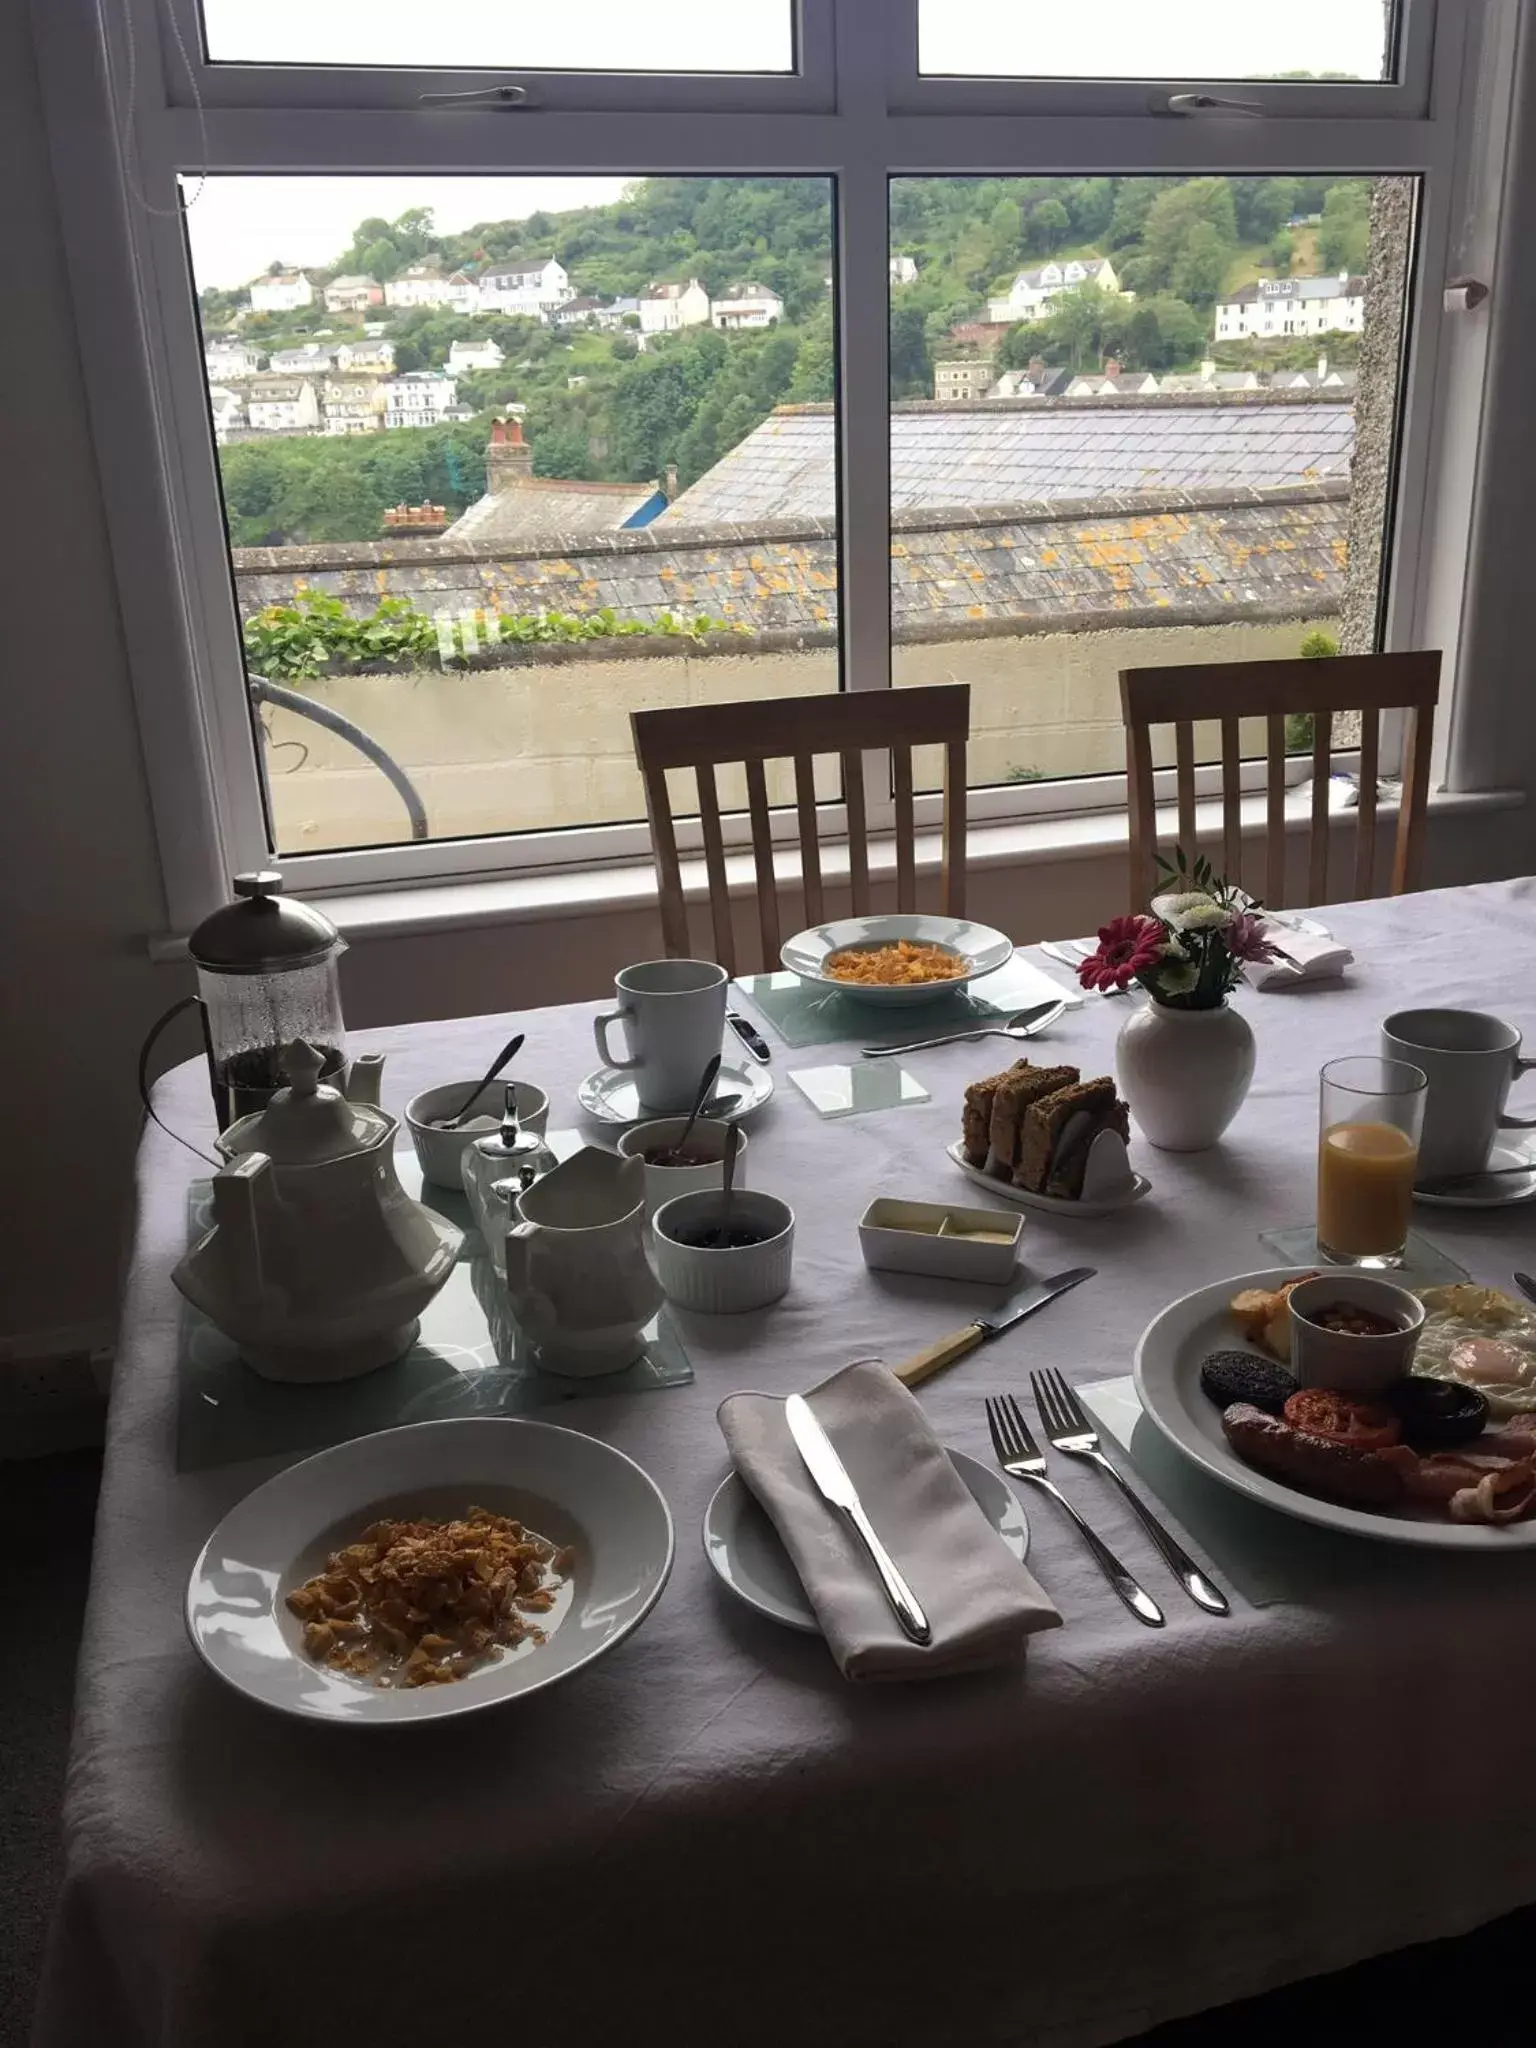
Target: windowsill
{"points": [[591, 892]]}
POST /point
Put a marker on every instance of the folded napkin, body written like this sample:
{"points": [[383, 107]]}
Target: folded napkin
{"points": [[980, 1601], [1307, 958]]}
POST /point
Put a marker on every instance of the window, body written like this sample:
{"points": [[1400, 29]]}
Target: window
{"points": [[708, 282]]}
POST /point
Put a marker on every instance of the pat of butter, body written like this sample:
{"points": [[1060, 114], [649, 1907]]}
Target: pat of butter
{"points": [[978, 1236]]}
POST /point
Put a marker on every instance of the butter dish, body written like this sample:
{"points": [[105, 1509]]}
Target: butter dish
{"points": [[936, 1238]]}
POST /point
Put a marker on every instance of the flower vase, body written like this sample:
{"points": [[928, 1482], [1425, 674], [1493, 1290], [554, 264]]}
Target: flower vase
{"points": [[1184, 1073]]}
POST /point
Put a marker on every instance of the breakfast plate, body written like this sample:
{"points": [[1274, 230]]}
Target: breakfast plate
{"points": [[610, 1094], [571, 1489], [1167, 1375], [1510, 1186], [744, 1548], [982, 949], [1051, 1205]]}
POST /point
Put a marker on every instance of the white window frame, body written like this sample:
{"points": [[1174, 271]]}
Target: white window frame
{"points": [[858, 114]]}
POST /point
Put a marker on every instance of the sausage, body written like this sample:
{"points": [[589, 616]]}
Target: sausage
{"points": [[1335, 1471]]}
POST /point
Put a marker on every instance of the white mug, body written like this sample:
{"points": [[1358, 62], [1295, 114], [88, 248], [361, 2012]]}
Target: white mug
{"points": [[673, 1013], [1471, 1060]]}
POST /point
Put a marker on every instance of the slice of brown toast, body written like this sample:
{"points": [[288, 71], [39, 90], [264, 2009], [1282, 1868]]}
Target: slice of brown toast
{"points": [[976, 1120], [1019, 1087], [1044, 1122]]}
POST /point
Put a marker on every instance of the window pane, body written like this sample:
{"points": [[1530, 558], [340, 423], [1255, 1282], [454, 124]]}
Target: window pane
{"points": [[1156, 39], [601, 35], [1134, 420], [460, 425]]}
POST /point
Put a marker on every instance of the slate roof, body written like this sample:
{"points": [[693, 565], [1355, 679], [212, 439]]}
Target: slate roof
{"points": [[1302, 288], [1012, 451], [549, 505], [1150, 558]]}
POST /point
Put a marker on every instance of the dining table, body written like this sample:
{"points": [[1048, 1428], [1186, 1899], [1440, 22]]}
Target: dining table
{"points": [[709, 1835]]}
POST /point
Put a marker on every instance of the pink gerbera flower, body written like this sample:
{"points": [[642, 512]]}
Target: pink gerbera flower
{"points": [[1246, 941], [1127, 945]]}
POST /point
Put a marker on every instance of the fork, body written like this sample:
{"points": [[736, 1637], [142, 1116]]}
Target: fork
{"points": [[1020, 1458], [1068, 1429]]}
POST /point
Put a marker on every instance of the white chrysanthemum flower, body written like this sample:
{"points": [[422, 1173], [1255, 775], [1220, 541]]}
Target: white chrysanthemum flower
{"points": [[1177, 977], [1191, 911]]}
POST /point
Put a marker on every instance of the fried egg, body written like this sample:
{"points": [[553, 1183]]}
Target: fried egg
{"points": [[1484, 1339]]}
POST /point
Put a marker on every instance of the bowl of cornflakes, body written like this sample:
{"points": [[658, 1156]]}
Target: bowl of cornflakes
{"points": [[909, 957]]}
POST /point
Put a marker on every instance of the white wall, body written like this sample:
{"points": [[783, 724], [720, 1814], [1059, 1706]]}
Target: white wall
{"points": [[80, 889]]}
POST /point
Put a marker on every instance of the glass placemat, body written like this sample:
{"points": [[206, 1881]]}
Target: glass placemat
{"points": [[470, 1359], [803, 1013], [1424, 1264], [840, 1090]]}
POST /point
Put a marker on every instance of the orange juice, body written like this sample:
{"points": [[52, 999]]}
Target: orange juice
{"points": [[1365, 1176]]}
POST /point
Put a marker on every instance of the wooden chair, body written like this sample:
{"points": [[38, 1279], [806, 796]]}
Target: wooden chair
{"points": [[797, 729], [1274, 690]]}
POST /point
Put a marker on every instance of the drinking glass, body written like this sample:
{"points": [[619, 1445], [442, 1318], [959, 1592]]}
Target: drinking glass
{"points": [[1367, 1159]]}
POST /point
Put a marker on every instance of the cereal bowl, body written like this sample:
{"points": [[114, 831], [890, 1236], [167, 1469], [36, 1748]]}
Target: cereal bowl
{"points": [[978, 946], [442, 1152]]}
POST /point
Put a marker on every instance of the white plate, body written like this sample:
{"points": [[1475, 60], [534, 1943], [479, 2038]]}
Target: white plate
{"points": [[986, 950], [611, 1096], [1167, 1372], [1053, 1205], [1493, 1194], [568, 1487], [744, 1548]]}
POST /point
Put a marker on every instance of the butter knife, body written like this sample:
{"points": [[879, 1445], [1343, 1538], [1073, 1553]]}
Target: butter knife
{"points": [[831, 1477], [913, 1371]]}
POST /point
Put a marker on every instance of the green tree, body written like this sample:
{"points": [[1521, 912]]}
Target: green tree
{"points": [[815, 378], [1077, 320], [911, 360], [562, 452], [1344, 239], [1262, 206], [1091, 204], [1021, 344], [1049, 225], [1160, 333], [1189, 238]]}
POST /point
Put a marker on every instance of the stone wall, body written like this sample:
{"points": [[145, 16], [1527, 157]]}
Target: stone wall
{"points": [[547, 743]]}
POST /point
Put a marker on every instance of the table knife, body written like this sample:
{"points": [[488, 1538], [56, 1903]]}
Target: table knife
{"points": [[914, 1371], [831, 1477], [750, 1037]]}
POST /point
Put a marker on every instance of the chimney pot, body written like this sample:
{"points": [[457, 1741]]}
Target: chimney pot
{"points": [[508, 457]]}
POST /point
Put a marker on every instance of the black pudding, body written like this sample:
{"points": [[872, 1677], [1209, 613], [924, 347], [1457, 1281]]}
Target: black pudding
{"points": [[1437, 1414], [1229, 1376]]}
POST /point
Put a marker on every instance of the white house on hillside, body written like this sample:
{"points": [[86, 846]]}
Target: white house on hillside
{"points": [[306, 359], [667, 307], [376, 358], [1281, 306], [225, 359], [427, 284], [903, 270], [353, 294], [228, 410], [352, 405], [748, 305], [278, 405], [1033, 290], [474, 355], [417, 398], [284, 292], [534, 287]]}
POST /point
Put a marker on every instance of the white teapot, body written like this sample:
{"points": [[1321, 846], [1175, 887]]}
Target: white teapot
{"points": [[318, 1264]]}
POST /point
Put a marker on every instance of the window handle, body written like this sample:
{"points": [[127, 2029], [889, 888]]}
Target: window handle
{"points": [[481, 96], [1205, 103]]}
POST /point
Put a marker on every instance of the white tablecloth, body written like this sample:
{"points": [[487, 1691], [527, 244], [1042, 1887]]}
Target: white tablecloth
{"points": [[709, 1837]]}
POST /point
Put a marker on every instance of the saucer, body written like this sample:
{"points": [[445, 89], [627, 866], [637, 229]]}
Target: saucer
{"points": [[1492, 1194], [612, 1097], [1052, 1205], [744, 1548]]}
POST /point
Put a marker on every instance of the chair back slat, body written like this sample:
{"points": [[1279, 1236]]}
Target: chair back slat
{"points": [[847, 725], [858, 832], [810, 843], [1322, 768], [1186, 695], [762, 859], [1184, 774], [954, 829], [714, 868], [1231, 801], [906, 830], [1365, 825], [1274, 816]]}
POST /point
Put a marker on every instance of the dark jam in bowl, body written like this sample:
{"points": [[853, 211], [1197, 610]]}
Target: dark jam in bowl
{"points": [[1349, 1319]]}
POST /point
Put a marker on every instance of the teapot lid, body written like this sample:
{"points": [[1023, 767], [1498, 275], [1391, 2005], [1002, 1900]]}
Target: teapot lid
{"points": [[307, 1122], [510, 1145], [262, 931]]}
